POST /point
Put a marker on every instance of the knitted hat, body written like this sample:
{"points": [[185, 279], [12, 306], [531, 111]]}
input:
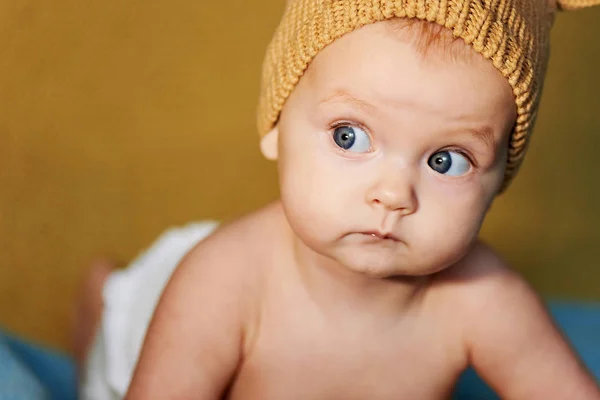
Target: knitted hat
{"points": [[512, 34]]}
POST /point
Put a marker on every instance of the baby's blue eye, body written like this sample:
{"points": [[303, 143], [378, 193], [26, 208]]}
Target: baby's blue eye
{"points": [[352, 138], [449, 163]]}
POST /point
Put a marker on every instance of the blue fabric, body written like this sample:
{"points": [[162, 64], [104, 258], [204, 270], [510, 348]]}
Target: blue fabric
{"points": [[16, 380], [32, 372]]}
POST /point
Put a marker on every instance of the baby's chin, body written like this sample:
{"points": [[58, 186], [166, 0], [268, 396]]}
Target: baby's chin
{"points": [[387, 261], [391, 257]]}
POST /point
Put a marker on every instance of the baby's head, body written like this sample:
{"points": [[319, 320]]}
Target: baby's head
{"points": [[396, 123]]}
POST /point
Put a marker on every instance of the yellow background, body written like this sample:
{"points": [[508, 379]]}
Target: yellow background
{"points": [[121, 118]]}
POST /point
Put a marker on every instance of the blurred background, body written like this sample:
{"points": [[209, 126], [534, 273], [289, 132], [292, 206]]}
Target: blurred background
{"points": [[121, 118]]}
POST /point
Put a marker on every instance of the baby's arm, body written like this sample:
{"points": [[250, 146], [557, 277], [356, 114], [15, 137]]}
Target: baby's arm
{"points": [[192, 348], [514, 345]]}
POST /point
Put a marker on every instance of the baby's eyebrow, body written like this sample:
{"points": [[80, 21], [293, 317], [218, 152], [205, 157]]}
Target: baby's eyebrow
{"points": [[485, 135], [342, 96]]}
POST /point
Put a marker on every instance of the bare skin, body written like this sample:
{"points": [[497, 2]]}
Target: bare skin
{"points": [[89, 307], [269, 332]]}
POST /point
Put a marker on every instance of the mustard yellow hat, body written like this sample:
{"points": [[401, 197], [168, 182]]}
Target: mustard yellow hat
{"points": [[512, 34]]}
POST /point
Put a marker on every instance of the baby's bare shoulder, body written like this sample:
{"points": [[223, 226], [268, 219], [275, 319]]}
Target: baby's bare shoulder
{"points": [[483, 286], [236, 252], [505, 324], [482, 269], [201, 324]]}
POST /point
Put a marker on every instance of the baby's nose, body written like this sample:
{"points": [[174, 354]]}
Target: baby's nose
{"points": [[393, 192]]}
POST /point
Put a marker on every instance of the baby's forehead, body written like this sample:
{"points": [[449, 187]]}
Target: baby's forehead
{"points": [[381, 76], [383, 62], [432, 42]]}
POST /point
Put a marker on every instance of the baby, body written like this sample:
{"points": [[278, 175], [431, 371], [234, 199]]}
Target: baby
{"points": [[394, 124]]}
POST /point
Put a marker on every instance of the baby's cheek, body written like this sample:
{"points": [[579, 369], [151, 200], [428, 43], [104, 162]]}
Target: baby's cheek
{"points": [[453, 226], [307, 201]]}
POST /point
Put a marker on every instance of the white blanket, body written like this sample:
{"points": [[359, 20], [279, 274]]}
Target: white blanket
{"points": [[130, 297]]}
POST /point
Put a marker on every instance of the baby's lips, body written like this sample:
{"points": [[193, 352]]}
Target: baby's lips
{"points": [[381, 235]]}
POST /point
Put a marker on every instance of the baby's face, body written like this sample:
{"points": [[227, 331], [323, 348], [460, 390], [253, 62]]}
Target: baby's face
{"points": [[388, 160]]}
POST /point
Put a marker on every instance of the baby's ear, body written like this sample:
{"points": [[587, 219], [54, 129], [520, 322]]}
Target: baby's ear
{"points": [[269, 144]]}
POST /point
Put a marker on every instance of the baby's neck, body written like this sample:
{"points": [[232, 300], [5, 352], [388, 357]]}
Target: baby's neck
{"points": [[338, 291]]}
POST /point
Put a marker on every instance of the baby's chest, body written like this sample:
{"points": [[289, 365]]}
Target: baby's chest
{"points": [[315, 364]]}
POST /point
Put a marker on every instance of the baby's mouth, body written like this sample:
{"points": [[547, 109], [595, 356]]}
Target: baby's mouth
{"points": [[379, 236]]}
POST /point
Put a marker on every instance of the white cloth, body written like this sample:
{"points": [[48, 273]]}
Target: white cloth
{"points": [[130, 297]]}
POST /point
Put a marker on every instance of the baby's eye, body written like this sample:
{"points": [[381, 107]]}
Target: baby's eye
{"points": [[449, 163], [351, 138]]}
